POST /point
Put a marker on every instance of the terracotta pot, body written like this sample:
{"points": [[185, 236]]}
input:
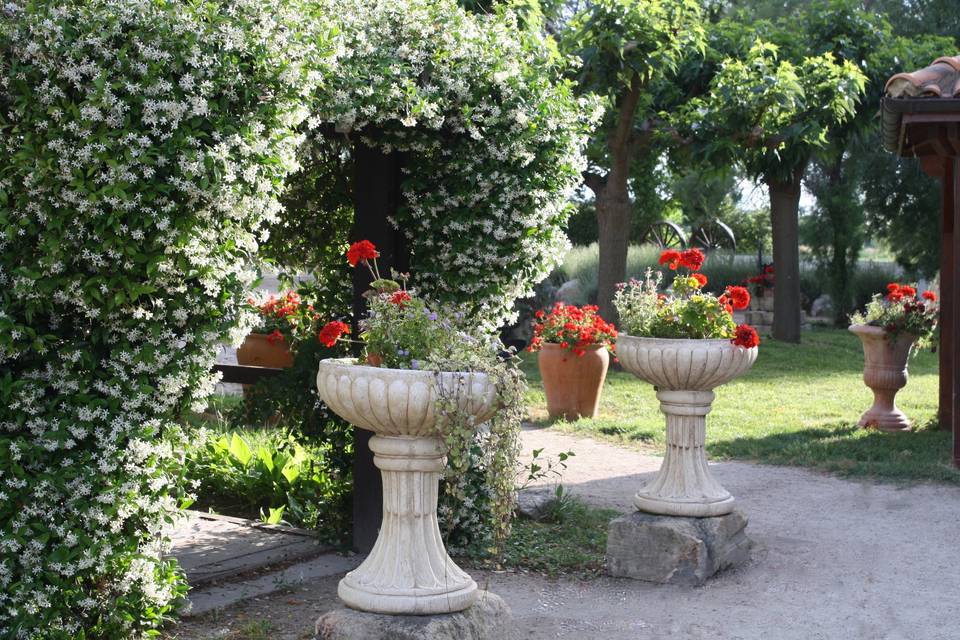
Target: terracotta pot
{"points": [[257, 351], [374, 359], [885, 373], [684, 373], [573, 383]]}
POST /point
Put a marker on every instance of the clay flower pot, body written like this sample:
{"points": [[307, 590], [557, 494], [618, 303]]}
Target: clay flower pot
{"points": [[684, 373], [885, 373], [572, 383], [408, 571], [258, 350]]}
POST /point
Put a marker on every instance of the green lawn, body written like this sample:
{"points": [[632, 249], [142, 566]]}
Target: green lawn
{"points": [[798, 405]]}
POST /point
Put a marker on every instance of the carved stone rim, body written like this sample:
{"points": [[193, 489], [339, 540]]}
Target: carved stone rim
{"points": [[354, 364], [682, 342]]}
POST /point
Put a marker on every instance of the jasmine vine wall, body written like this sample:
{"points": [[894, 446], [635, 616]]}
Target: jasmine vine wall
{"points": [[143, 144], [143, 148]]}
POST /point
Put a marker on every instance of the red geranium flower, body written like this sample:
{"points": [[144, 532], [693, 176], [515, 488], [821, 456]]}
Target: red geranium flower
{"points": [[692, 259], [670, 257], [908, 292], [725, 303], [400, 297], [701, 279], [332, 331], [930, 295], [746, 337], [275, 338], [739, 297], [361, 251]]}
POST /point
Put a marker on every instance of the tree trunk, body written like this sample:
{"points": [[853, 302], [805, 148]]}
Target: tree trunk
{"points": [[613, 225], [784, 212], [613, 202]]}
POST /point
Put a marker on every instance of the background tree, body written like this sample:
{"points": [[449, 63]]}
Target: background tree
{"points": [[624, 46], [772, 113]]}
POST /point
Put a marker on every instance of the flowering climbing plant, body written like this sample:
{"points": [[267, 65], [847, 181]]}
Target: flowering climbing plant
{"points": [[902, 311], [493, 142], [685, 311], [143, 146], [574, 328]]}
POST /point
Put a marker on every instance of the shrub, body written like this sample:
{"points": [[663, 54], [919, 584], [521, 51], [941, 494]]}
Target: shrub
{"points": [[143, 144]]}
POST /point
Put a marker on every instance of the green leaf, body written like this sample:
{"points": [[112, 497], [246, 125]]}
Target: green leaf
{"points": [[275, 516], [239, 450]]}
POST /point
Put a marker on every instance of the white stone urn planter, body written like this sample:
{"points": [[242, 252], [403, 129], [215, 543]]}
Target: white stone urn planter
{"points": [[885, 373], [408, 571], [684, 373]]}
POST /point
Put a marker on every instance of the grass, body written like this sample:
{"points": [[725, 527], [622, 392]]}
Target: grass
{"points": [[571, 543], [798, 405]]}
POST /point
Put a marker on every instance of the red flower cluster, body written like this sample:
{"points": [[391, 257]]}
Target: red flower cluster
{"points": [[572, 328], [897, 292], [332, 331], [765, 278], [700, 278], [746, 337], [275, 338], [286, 305], [691, 259], [361, 252], [739, 297], [399, 298]]}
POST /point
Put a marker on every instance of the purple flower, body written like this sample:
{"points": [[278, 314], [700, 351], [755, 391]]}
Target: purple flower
{"points": [[414, 364], [433, 315]]}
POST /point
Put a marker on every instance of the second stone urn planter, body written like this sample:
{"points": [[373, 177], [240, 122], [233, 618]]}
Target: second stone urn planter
{"points": [[885, 373], [684, 373], [408, 571]]}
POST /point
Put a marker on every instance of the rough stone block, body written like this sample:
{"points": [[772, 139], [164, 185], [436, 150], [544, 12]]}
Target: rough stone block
{"points": [[488, 619], [674, 550], [534, 503]]}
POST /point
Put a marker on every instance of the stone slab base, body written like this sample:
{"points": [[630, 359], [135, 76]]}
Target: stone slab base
{"points": [[675, 550], [488, 619]]}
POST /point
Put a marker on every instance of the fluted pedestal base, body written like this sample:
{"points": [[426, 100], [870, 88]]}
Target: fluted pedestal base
{"points": [[684, 485], [408, 571], [884, 414]]}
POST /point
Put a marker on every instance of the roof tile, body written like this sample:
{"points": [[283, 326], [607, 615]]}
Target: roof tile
{"points": [[939, 80]]}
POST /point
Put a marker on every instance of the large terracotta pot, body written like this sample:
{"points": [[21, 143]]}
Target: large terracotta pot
{"points": [[684, 373], [572, 383], [258, 351], [885, 373], [408, 571]]}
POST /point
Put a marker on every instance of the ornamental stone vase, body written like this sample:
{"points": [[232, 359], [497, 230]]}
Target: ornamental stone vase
{"points": [[408, 571], [684, 373], [572, 383], [885, 373]]}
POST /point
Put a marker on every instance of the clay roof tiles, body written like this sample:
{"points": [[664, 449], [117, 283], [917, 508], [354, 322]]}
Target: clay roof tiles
{"points": [[931, 90]]}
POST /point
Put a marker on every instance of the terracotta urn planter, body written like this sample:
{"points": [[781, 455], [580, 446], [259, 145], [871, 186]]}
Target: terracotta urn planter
{"points": [[408, 571], [684, 373], [258, 351], [885, 373], [572, 383]]}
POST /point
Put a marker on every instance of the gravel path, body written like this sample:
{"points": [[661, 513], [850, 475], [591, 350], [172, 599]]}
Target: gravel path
{"points": [[834, 559]]}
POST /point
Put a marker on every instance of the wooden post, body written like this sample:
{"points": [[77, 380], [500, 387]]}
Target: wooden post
{"points": [[376, 194], [951, 191], [947, 295]]}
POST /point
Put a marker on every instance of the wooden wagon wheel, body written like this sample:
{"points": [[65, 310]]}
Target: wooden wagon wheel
{"points": [[666, 235], [714, 234]]}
